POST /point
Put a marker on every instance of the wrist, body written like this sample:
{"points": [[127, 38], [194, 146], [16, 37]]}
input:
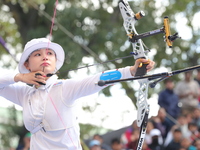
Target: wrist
{"points": [[18, 77], [132, 70]]}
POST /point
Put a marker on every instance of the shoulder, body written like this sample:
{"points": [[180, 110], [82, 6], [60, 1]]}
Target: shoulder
{"points": [[163, 92], [195, 82]]}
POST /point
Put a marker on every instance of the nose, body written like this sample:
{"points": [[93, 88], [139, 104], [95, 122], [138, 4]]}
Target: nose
{"points": [[45, 57]]}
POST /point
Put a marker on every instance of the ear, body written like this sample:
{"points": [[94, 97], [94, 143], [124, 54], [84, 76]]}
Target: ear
{"points": [[26, 64]]}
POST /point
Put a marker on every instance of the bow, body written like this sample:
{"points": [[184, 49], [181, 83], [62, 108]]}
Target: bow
{"points": [[4, 44], [139, 52]]}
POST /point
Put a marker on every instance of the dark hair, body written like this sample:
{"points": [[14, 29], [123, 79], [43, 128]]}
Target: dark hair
{"points": [[192, 124], [115, 140], [177, 130], [168, 80], [97, 135], [188, 72]]}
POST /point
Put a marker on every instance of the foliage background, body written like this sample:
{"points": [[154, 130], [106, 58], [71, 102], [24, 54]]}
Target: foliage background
{"points": [[93, 29]]}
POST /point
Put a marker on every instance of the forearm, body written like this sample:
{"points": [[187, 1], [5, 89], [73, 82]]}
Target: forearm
{"points": [[7, 79], [77, 88], [185, 95], [8, 89], [18, 77]]}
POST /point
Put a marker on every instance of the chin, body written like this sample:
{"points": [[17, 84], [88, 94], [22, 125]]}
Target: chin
{"points": [[48, 71]]}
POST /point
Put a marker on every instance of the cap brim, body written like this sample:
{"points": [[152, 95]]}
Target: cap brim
{"points": [[60, 55]]}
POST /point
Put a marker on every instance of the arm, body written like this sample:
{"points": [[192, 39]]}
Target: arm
{"points": [[6, 79], [189, 91], [74, 89], [8, 88], [13, 91], [161, 99], [31, 78]]}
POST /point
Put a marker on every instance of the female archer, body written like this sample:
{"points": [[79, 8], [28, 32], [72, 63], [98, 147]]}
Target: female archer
{"points": [[49, 106]]}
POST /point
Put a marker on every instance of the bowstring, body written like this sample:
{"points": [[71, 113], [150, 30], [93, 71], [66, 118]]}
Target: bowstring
{"points": [[56, 109], [96, 64]]}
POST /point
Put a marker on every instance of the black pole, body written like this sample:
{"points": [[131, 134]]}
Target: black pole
{"points": [[146, 34], [163, 75]]}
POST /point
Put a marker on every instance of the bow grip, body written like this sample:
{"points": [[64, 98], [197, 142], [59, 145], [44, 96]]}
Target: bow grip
{"points": [[141, 70]]}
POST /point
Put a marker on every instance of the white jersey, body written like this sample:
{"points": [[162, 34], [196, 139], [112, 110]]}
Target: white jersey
{"points": [[49, 112]]}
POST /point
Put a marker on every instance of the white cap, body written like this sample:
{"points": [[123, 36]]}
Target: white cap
{"points": [[40, 43], [155, 132]]}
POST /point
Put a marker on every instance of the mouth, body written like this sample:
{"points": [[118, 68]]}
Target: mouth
{"points": [[45, 64]]}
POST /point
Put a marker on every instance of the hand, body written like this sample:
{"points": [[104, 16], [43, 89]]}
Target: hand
{"points": [[149, 67], [31, 78]]}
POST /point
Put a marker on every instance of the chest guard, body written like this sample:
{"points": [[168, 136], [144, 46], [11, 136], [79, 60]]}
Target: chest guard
{"points": [[48, 109]]}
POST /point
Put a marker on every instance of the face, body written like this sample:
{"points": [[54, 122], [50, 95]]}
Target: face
{"points": [[177, 136], [162, 113], [117, 146], [41, 60], [188, 76], [185, 143], [95, 147], [98, 138], [197, 144], [150, 126], [169, 85]]}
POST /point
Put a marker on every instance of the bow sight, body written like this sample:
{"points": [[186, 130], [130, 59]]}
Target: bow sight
{"points": [[165, 29], [134, 37]]}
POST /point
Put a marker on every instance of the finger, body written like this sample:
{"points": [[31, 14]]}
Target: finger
{"points": [[39, 77], [150, 66], [33, 82], [40, 73], [143, 60], [37, 83], [139, 62], [40, 81]]}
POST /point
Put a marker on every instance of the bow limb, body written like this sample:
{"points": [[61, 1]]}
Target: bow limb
{"points": [[3, 43], [129, 24]]}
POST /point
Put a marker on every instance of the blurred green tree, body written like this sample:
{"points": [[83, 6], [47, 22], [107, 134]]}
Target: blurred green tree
{"points": [[93, 29]]}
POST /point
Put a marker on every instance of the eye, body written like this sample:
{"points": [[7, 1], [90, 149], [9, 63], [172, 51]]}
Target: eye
{"points": [[37, 54], [49, 53]]}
